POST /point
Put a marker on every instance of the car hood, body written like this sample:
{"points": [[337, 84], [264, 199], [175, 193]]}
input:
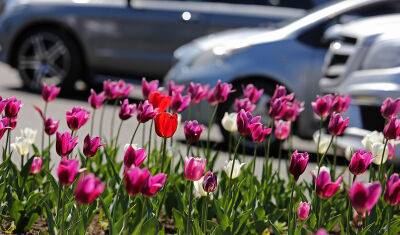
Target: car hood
{"points": [[368, 27]]}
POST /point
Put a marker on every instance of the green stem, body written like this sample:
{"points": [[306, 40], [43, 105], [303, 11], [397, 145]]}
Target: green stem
{"points": [[206, 214], [92, 122], [44, 120], [188, 221], [103, 110], [119, 131], [334, 158], [163, 154], [210, 122], [143, 133], [233, 166], [381, 173], [149, 151], [291, 209], [134, 133], [279, 158], [22, 161], [323, 156], [6, 150], [188, 149], [113, 119]]}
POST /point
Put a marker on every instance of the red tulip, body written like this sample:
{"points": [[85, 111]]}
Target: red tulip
{"points": [[337, 125], [67, 171], [96, 100], [392, 193], [160, 101], [298, 164], [363, 197], [77, 117], [50, 93], [91, 146], [194, 168], [252, 93], [134, 157], [148, 87], [88, 188], [166, 124]]}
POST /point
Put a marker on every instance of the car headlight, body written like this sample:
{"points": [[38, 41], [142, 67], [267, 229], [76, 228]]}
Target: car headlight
{"points": [[206, 58], [382, 55]]}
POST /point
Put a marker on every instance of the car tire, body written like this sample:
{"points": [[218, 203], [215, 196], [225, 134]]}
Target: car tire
{"points": [[262, 106], [51, 56]]}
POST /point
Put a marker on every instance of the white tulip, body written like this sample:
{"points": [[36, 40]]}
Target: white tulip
{"points": [[229, 122], [134, 146], [29, 135], [323, 168], [377, 151], [198, 188], [372, 138], [323, 142], [236, 169], [21, 146]]}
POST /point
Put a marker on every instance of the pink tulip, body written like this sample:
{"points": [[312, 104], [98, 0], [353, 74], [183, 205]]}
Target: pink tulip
{"points": [[134, 156], [220, 93], [360, 162], [280, 92], [303, 211], [148, 87], [292, 110], [210, 182], [9, 123], [194, 168], [3, 126], [116, 89], [50, 93], [96, 100], [154, 184], [321, 231], [50, 126], [252, 93], [244, 120], [179, 103], [337, 125], [392, 129], [65, 143], [135, 180], [282, 129], [298, 164], [126, 111], [192, 130], [277, 108], [91, 146], [363, 197], [145, 112], [390, 108], [322, 105], [325, 187], [77, 117], [12, 107], [198, 92], [259, 132], [244, 104], [340, 104], [174, 88], [36, 165], [392, 193], [67, 171], [88, 188], [3, 103]]}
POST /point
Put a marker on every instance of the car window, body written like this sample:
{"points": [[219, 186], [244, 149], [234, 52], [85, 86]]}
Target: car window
{"points": [[301, 4]]}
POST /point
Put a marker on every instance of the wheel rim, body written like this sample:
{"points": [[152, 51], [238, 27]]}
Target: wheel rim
{"points": [[43, 58]]}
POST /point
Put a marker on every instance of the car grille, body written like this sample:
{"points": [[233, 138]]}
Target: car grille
{"points": [[339, 54]]}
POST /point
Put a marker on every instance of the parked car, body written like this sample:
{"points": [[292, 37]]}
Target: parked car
{"points": [[292, 55], [58, 41]]}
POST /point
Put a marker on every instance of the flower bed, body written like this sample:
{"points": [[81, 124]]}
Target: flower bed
{"points": [[154, 192]]}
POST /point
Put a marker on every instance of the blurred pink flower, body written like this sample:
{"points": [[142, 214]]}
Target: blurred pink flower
{"points": [[392, 129], [36, 165], [192, 130], [67, 170], [174, 88], [179, 103], [96, 100], [277, 108], [280, 92], [392, 193], [198, 92], [77, 117], [292, 110], [259, 132], [194, 168], [91, 145], [148, 87], [360, 161], [145, 112], [50, 92], [126, 110], [363, 197], [322, 105], [88, 188], [220, 93], [154, 184], [244, 104], [116, 89], [337, 125], [303, 211], [252, 93], [65, 143], [390, 107], [12, 107], [244, 120], [134, 156], [282, 129], [135, 180], [324, 186], [340, 103]]}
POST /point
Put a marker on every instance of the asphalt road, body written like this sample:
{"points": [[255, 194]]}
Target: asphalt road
{"points": [[10, 85]]}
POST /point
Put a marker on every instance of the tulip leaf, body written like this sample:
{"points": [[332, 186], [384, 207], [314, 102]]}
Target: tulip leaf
{"points": [[178, 219], [221, 216]]}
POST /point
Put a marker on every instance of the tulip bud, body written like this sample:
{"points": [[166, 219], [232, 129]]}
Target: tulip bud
{"points": [[88, 188], [337, 124], [49, 93], [322, 106], [77, 117], [192, 130], [179, 103], [194, 168], [236, 168], [126, 110], [12, 107], [392, 193], [134, 156], [145, 112], [360, 162], [282, 129], [229, 122], [96, 100], [67, 171], [36, 165], [298, 164], [210, 182], [65, 143], [91, 146], [148, 87], [50, 126], [363, 197], [392, 129], [303, 211], [390, 108]]}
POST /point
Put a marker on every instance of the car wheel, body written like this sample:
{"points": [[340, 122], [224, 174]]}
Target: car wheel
{"points": [[48, 56], [261, 110]]}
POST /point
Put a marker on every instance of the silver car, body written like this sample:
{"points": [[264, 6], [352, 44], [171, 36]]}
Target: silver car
{"points": [[291, 55], [59, 41]]}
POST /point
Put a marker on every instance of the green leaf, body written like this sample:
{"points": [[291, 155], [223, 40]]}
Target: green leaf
{"points": [[138, 229], [179, 219], [221, 215]]}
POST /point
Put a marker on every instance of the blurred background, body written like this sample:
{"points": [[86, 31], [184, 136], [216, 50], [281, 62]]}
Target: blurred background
{"points": [[311, 47]]}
